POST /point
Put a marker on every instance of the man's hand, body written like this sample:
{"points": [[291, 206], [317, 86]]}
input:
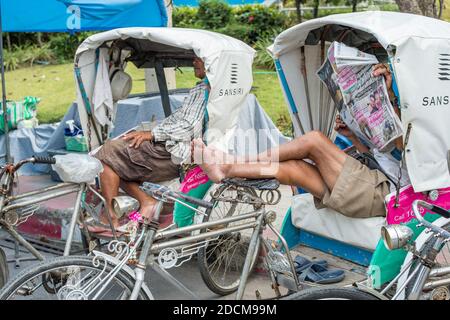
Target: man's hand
{"points": [[381, 69], [342, 128], [137, 137]]}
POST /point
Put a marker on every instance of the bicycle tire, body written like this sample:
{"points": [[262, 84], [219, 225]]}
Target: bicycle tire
{"points": [[330, 294], [4, 271], [60, 262], [202, 259]]}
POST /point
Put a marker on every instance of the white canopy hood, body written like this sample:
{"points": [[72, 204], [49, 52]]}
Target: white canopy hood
{"points": [[228, 63], [418, 49]]}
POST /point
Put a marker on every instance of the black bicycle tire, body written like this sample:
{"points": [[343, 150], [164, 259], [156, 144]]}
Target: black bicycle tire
{"points": [[204, 271], [59, 262], [330, 294], [4, 271]]}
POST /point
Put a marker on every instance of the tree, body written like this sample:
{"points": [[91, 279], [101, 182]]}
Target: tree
{"points": [[354, 4], [429, 8], [316, 8], [298, 9]]}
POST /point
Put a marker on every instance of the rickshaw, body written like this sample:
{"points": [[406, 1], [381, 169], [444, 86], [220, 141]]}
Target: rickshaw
{"points": [[298, 52], [417, 50]]}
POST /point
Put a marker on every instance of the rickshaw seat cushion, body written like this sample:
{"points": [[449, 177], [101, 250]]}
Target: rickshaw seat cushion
{"points": [[326, 222], [260, 184]]}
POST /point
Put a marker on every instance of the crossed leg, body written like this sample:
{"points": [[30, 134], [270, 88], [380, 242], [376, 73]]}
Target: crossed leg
{"points": [[285, 163]]}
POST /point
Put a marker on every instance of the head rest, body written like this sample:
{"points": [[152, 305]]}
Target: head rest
{"points": [[121, 84]]}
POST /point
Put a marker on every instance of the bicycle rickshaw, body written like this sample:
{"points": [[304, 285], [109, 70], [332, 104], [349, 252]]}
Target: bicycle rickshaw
{"points": [[417, 51], [231, 216], [298, 52]]}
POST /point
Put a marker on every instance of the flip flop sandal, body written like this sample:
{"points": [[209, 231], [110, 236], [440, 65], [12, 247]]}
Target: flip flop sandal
{"points": [[321, 275], [109, 234], [97, 227], [120, 231], [301, 263]]}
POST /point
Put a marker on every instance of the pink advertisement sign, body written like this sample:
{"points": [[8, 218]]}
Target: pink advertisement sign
{"points": [[193, 179], [403, 213]]}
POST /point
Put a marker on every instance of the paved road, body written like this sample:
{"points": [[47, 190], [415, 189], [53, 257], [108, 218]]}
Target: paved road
{"points": [[188, 273]]}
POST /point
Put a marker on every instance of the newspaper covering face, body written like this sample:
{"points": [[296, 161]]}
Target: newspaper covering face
{"points": [[361, 99]]}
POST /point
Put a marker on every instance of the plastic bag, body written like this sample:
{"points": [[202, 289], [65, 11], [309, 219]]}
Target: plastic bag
{"points": [[18, 111], [77, 168]]}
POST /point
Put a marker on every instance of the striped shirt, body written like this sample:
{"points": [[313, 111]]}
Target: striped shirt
{"points": [[184, 125]]}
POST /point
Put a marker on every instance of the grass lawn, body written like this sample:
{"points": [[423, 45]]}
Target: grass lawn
{"points": [[446, 13], [55, 85]]}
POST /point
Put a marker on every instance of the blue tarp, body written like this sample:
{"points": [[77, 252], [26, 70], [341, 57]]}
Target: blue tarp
{"points": [[194, 3], [80, 15]]}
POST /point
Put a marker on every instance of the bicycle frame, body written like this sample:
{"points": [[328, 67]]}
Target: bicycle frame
{"points": [[154, 244], [422, 270], [16, 202]]}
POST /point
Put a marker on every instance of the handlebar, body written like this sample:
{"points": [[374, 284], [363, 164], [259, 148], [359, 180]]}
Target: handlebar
{"points": [[163, 192], [34, 160], [48, 160], [436, 209]]}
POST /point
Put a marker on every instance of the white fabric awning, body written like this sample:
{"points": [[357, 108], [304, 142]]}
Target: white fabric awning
{"points": [[418, 49], [228, 63]]}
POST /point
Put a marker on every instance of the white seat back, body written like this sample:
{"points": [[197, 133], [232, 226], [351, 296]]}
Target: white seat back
{"points": [[363, 233]]}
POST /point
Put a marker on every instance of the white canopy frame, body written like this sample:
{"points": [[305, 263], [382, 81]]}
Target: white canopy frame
{"points": [[418, 50], [228, 64]]}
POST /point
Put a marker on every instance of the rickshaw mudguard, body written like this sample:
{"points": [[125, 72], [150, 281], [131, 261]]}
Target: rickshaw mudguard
{"points": [[386, 264]]}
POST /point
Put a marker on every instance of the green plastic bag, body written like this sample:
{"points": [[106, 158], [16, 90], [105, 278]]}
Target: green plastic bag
{"points": [[386, 264], [18, 111]]}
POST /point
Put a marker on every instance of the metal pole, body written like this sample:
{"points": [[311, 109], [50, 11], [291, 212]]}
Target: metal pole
{"points": [[73, 221], [251, 251], [5, 109]]}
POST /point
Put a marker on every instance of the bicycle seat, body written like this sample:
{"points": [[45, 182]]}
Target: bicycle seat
{"points": [[260, 184]]}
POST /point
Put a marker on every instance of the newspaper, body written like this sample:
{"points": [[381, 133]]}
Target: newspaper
{"points": [[361, 99]]}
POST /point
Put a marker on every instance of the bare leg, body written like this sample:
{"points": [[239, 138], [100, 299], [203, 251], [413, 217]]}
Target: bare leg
{"points": [[292, 172], [147, 203], [328, 161], [109, 183], [315, 146]]}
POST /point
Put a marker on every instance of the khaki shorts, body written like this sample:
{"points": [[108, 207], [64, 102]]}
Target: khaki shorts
{"points": [[358, 193]]}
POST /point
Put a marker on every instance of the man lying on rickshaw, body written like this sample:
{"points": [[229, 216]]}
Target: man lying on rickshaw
{"points": [[314, 163], [152, 155]]}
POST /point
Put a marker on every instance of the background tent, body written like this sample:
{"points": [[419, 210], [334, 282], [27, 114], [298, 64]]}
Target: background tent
{"points": [[80, 15], [194, 3], [74, 16]]}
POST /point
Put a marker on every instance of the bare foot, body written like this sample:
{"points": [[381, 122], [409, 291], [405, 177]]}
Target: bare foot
{"points": [[147, 210], [211, 160]]}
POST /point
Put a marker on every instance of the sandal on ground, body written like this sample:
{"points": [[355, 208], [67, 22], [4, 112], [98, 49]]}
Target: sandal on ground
{"points": [[321, 275], [302, 263]]}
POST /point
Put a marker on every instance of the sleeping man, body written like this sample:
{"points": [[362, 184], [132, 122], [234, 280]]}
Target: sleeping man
{"points": [[335, 179], [154, 155]]}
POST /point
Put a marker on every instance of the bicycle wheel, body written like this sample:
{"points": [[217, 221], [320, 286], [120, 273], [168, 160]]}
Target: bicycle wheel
{"points": [[440, 290], [4, 271], [69, 278], [222, 260], [330, 294]]}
